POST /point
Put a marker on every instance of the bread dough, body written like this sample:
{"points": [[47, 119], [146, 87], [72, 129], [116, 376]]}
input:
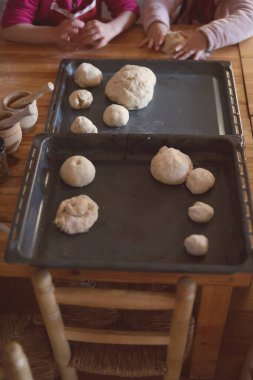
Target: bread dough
{"points": [[132, 86], [80, 99], [200, 180], [200, 212], [170, 166], [172, 39], [196, 245], [116, 116], [76, 215], [87, 75], [82, 124], [77, 171]]}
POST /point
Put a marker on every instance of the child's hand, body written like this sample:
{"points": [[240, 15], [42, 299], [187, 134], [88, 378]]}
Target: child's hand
{"points": [[66, 29], [194, 46], [96, 34], [155, 35]]}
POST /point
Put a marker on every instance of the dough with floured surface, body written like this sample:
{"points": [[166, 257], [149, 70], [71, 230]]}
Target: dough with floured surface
{"points": [[87, 75], [116, 116], [82, 124], [199, 181], [80, 99], [77, 171], [76, 215]]}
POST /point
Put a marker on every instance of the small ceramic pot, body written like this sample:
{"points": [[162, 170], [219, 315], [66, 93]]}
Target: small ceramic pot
{"points": [[12, 135], [28, 122]]}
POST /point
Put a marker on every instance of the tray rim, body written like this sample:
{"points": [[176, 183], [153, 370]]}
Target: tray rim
{"points": [[237, 143], [50, 124]]}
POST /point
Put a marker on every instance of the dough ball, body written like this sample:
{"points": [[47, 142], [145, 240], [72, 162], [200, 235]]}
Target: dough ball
{"points": [[200, 212], [199, 181], [77, 171], [76, 215], [170, 166], [82, 124], [196, 245], [132, 86], [172, 39], [87, 75], [80, 99], [116, 116]]}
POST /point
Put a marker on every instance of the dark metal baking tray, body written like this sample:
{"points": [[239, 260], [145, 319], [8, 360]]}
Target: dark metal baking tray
{"points": [[142, 223], [190, 97]]}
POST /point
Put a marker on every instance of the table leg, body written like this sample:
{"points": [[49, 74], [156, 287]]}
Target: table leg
{"points": [[213, 309]]}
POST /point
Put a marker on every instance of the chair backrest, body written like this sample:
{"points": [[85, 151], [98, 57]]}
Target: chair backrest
{"points": [[14, 363], [180, 301]]}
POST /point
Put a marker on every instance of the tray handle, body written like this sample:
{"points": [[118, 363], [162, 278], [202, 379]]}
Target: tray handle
{"points": [[247, 201], [234, 101], [24, 192]]}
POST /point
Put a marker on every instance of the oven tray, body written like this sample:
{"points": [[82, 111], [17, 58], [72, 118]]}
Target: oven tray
{"points": [[142, 223], [190, 97]]}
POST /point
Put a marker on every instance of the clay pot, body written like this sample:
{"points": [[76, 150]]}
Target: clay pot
{"points": [[28, 122], [12, 136]]}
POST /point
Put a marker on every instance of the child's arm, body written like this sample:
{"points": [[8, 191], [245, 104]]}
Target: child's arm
{"points": [[43, 34], [97, 33]]}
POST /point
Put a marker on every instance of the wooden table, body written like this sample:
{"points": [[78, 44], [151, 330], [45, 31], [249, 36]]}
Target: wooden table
{"points": [[28, 67]]}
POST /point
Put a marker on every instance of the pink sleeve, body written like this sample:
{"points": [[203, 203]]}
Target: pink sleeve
{"points": [[155, 10], [116, 7], [235, 27], [19, 12]]}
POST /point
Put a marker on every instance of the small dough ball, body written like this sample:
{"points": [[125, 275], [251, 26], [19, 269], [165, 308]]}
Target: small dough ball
{"points": [[199, 181], [87, 75], [200, 212], [82, 124], [80, 99], [132, 86], [172, 39], [116, 116], [170, 166], [77, 171], [196, 245], [76, 215]]}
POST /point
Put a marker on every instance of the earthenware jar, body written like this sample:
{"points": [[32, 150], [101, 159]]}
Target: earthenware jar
{"points": [[28, 122], [12, 135]]}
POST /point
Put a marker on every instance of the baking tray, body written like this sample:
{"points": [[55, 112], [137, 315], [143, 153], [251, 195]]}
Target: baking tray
{"points": [[142, 223], [190, 97]]}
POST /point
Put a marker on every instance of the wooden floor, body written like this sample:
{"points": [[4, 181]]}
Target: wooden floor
{"points": [[17, 295]]}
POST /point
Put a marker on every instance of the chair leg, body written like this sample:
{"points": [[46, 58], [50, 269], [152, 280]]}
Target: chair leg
{"points": [[51, 314], [185, 295]]}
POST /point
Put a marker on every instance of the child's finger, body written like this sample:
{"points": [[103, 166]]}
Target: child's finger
{"points": [[151, 43], [159, 41], [187, 55], [78, 23], [144, 42]]}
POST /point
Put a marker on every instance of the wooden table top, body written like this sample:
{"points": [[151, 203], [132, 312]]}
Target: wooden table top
{"points": [[28, 67]]}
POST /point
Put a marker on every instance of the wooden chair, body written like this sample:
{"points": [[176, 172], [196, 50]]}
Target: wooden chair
{"points": [[180, 301], [14, 363]]}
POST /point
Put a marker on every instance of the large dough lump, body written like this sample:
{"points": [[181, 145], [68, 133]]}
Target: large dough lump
{"points": [[200, 180], [80, 99], [76, 215], [77, 171], [116, 116], [82, 124], [196, 245], [200, 212], [87, 75], [170, 166], [132, 86]]}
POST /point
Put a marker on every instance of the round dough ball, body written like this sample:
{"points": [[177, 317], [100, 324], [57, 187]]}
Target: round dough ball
{"points": [[116, 116], [77, 171], [76, 215], [80, 99], [170, 166], [199, 181], [196, 245], [200, 212], [82, 124], [87, 75], [132, 86]]}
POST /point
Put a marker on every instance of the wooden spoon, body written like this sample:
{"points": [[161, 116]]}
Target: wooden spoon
{"points": [[22, 102], [17, 117]]}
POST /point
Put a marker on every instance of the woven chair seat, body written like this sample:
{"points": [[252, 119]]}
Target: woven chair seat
{"points": [[20, 328]]}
